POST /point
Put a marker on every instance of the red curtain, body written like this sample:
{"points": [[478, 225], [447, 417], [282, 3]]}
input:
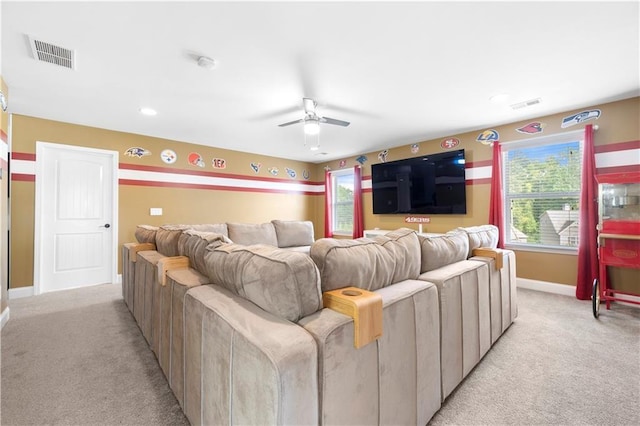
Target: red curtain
{"points": [[588, 248], [358, 219], [496, 201], [328, 199]]}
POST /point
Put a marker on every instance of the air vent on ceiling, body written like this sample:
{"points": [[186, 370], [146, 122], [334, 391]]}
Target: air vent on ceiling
{"points": [[47, 52], [526, 104]]}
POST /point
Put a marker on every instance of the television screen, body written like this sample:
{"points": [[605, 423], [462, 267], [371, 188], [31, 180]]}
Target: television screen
{"points": [[431, 184]]}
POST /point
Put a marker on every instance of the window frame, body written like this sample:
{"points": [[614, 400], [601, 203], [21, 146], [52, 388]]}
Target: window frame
{"points": [[553, 139], [334, 203]]}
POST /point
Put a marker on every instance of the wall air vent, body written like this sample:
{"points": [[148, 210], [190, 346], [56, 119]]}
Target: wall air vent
{"points": [[47, 52], [526, 104]]}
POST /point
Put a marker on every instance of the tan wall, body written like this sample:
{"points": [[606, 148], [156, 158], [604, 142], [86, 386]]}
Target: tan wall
{"points": [[4, 210], [179, 205], [617, 123]]}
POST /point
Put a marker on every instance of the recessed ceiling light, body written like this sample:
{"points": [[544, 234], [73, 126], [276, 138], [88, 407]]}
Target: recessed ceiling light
{"points": [[147, 111], [499, 97]]}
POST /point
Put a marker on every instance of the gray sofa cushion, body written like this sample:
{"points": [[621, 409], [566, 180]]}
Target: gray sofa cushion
{"points": [[218, 228], [146, 233], [253, 233], [167, 238], [282, 282], [442, 250], [193, 244], [481, 236], [367, 263], [293, 233]]}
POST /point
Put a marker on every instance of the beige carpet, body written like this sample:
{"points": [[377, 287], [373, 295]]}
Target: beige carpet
{"points": [[77, 358]]}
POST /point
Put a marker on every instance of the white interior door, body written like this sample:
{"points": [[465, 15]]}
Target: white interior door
{"points": [[76, 213]]}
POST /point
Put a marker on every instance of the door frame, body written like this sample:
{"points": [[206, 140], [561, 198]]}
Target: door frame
{"points": [[39, 212]]}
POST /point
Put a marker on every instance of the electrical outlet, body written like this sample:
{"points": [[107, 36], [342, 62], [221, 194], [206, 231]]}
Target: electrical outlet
{"points": [[155, 211]]}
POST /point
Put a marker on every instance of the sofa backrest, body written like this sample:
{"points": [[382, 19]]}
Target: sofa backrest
{"points": [[481, 236], [282, 282], [193, 244], [294, 233], [367, 263], [146, 233], [167, 237], [253, 233], [218, 228], [442, 250]]}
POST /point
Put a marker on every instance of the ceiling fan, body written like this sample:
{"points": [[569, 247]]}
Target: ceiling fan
{"points": [[312, 120]]}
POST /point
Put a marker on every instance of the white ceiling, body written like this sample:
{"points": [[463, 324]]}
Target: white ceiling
{"points": [[399, 72]]}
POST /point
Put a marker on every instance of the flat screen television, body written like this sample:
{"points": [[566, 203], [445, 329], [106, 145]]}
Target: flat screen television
{"points": [[431, 184]]}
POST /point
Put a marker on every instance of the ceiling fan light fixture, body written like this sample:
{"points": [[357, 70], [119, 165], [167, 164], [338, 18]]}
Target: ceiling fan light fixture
{"points": [[311, 127]]}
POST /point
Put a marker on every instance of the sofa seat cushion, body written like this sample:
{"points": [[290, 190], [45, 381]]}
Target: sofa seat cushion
{"points": [[146, 233], [193, 244], [366, 263], [253, 233], [441, 250], [481, 236], [292, 233], [301, 249], [282, 282]]}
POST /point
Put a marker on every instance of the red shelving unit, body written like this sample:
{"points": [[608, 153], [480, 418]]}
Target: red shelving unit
{"points": [[618, 234]]}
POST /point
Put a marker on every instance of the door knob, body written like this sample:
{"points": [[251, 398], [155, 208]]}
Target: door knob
{"points": [[106, 225]]}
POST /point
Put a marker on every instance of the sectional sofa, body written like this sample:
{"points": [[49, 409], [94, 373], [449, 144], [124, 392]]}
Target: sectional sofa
{"points": [[241, 332]]}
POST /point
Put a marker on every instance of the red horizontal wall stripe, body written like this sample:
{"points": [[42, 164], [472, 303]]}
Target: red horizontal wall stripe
{"points": [[620, 146], [23, 156], [483, 163], [618, 169], [479, 181], [20, 177], [211, 187]]}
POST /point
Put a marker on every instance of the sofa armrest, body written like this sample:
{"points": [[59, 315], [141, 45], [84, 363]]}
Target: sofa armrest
{"points": [[169, 263], [134, 248], [494, 253], [365, 307]]}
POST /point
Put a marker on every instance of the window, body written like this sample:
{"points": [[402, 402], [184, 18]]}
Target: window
{"points": [[541, 181], [342, 203]]}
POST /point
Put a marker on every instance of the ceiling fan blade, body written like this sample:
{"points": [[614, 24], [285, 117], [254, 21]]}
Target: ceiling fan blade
{"points": [[309, 106], [291, 122], [334, 121]]}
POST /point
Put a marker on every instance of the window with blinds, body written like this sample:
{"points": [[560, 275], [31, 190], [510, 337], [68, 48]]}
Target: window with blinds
{"points": [[342, 181], [541, 181]]}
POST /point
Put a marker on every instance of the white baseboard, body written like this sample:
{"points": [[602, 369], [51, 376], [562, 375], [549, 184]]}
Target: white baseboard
{"points": [[547, 287], [5, 317], [16, 293]]}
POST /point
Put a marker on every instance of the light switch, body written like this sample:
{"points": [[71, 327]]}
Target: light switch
{"points": [[155, 211]]}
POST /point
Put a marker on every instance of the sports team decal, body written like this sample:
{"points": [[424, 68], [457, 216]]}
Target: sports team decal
{"points": [[382, 156], [168, 156], [343, 163], [533, 127], [219, 163], [449, 143], [415, 148], [273, 170], [292, 173], [580, 117], [305, 174], [136, 151], [195, 159], [255, 167], [488, 137], [362, 159]]}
